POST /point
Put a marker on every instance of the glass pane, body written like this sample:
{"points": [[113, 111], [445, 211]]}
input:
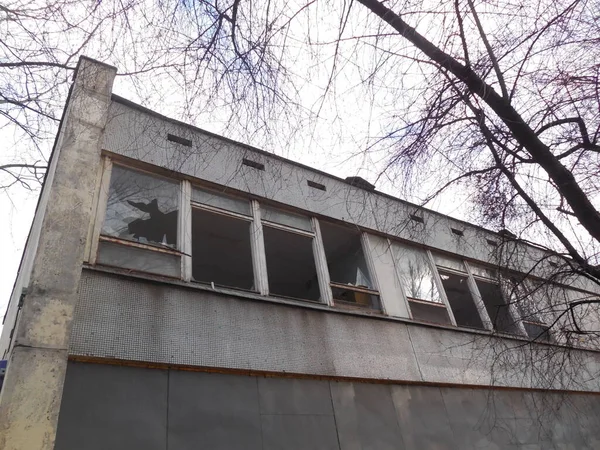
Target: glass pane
{"points": [[222, 201], [449, 262], [118, 255], [537, 331], [141, 208], [432, 312], [221, 250], [290, 264], [415, 273], [460, 300], [484, 272], [345, 257], [285, 218], [496, 307], [354, 299]]}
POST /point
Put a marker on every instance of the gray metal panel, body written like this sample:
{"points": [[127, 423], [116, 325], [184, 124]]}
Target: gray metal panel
{"points": [[155, 322], [366, 417], [422, 418], [299, 432], [292, 396], [213, 412], [115, 407], [112, 407]]}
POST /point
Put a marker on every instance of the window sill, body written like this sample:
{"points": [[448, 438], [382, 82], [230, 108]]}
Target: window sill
{"points": [[372, 314]]}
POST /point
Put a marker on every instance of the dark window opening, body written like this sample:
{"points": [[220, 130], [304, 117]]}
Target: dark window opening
{"points": [[345, 257], [457, 231], [492, 243], [221, 251], [254, 164], [429, 312], [460, 300], [141, 208], [496, 307], [179, 140], [290, 264]]}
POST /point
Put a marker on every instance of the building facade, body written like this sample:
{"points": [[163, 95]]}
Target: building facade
{"points": [[180, 290]]}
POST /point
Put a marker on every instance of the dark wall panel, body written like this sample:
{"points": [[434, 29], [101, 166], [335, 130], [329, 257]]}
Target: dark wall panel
{"points": [[115, 407]]}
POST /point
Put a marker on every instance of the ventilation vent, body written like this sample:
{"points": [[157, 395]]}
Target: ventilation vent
{"points": [[507, 234], [179, 140], [254, 164], [360, 182], [457, 232], [416, 218], [315, 185], [492, 243]]}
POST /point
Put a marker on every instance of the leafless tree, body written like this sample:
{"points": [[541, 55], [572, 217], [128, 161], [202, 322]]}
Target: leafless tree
{"points": [[497, 99]]}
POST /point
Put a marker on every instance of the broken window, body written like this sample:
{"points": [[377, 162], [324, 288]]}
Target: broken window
{"points": [[497, 307], [532, 304], [291, 266], [460, 299], [221, 252], [350, 280], [416, 277], [141, 208]]}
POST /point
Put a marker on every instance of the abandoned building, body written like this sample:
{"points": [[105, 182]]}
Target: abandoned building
{"points": [[180, 290]]}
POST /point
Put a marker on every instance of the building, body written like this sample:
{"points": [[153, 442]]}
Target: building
{"points": [[180, 290]]}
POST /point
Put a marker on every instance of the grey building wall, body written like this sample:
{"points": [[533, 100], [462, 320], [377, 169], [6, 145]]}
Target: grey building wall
{"points": [[115, 407], [133, 319], [142, 135]]}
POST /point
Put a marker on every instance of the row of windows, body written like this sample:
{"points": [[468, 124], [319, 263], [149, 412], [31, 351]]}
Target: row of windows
{"points": [[209, 237]]}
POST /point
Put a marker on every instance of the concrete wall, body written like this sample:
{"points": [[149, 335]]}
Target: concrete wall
{"points": [[114, 407], [51, 268], [143, 136], [129, 319]]}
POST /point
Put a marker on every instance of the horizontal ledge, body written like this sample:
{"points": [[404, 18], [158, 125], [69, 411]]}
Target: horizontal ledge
{"points": [[298, 375]]}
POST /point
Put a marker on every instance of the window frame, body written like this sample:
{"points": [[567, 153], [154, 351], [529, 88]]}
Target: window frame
{"points": [[100, 214]]}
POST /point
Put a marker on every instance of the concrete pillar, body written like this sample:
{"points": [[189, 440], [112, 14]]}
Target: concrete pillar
{"points": [[32, 390]]}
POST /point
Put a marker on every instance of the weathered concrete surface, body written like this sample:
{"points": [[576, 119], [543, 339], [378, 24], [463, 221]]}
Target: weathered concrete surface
{"points": [[133, 319], [31, 395]]}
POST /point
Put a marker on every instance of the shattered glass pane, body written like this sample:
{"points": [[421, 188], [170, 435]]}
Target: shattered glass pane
{"points": [[141, 208]]}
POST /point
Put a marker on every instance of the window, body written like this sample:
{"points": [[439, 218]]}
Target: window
{"points": [[496, 306], [291, 268], [221, 252], [140, 225], [290, 264], [455, 281], [350, 280], [494, 299], [417, 280], [529, 297], [141, 208]]}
